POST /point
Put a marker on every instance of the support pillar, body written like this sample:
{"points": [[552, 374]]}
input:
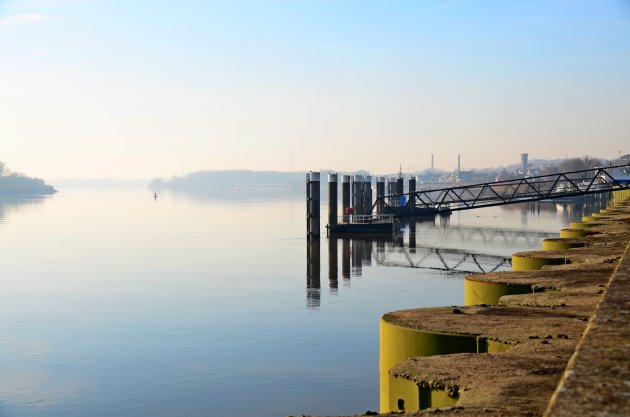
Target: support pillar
{"points": [[332, 199], [357, 194], [312, 205], [345, 197], [367, 194], [380, 195], [391, 191], [412, 189]]}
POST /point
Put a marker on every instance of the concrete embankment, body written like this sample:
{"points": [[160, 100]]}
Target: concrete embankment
{"points": [[549, 338]]}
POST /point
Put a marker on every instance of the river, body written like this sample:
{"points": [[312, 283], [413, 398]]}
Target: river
{"points": [[113, 303]]}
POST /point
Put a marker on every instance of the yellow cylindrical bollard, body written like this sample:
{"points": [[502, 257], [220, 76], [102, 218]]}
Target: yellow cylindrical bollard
{"points": [[479, 292], [562, 244]]}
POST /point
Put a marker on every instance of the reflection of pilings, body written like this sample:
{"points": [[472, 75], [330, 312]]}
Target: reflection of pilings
{"points": [[312, 274], [574, 209], [357, 194], [332, 264], [312, 205], [412, 235], [445, 220], [345, 258], [332, 199], [367, 253], [357, 254], [345, 195], [367, 194], [412, 189], [380, 247], [380, 194]]}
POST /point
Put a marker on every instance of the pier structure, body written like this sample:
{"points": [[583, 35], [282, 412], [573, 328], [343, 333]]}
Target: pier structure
{"points": [[430, 202], [380, 194], [367, 194], [312, 205], [357, 194], [345, 197], [412, 191], [332, 198], [392, 191], [362, 213], [357, 202]]}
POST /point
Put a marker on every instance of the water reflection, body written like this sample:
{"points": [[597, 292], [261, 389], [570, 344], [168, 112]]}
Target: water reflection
{"points": [[313, 272], [396, 251], [173, 295], [333, 269], [445, 244], [16, 204], [571, 209]]}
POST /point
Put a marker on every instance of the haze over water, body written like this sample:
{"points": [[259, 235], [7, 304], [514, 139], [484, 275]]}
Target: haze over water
{"points": [[112, 303]]}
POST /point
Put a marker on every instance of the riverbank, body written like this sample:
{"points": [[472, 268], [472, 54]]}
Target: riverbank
{"points": [[554, 327]]}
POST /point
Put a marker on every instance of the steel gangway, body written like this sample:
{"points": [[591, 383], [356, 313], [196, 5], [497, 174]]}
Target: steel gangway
{"points": [[519, 190]]}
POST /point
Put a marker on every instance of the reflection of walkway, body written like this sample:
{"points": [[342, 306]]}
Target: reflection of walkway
{"points": [[506, 237], [444, 259], [359, 253]]}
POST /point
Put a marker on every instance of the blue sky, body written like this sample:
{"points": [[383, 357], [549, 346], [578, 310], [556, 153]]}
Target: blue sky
{"points": [[112, 88]]}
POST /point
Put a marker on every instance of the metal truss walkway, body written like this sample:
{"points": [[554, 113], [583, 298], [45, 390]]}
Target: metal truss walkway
{"points": [[466, 197]]}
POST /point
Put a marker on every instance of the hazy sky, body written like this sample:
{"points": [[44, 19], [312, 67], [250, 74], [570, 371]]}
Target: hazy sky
{"points": [[148, 88]]}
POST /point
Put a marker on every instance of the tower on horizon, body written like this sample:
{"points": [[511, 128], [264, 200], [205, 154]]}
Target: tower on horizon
{"points": [[524, 162]]}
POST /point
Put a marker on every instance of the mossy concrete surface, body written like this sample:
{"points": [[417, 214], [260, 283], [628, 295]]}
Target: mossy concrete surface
{"points": [[597, 379]]}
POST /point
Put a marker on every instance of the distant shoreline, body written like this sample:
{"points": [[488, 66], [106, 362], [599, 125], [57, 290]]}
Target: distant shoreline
{"points": [[21, 186]]}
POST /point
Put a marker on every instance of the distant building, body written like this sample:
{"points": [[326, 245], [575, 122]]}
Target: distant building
{"points": [[524, 162]]}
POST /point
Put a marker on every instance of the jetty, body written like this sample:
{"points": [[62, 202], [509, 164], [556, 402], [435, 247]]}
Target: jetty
{"points": [[364, 213]]}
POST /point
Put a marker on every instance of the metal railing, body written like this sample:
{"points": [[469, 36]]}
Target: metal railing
{"points": [[465, 197], [368, 218]]}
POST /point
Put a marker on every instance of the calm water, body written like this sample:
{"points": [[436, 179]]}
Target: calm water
{"points": [[112, 303]]}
